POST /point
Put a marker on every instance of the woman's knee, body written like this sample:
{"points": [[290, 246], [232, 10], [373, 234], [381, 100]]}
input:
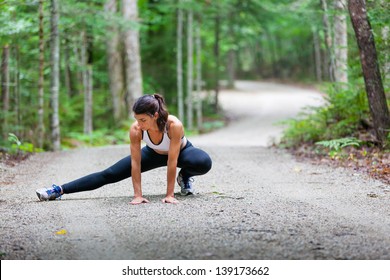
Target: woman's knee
{"points": [[108, 175]]}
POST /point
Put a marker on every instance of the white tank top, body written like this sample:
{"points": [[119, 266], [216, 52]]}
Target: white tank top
{"points": [[164, 143]]}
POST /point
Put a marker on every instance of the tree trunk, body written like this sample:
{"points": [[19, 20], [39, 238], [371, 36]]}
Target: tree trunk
{"points": [[317, 54], [180, 100], [372, 77], [386, 65], [217, 62], [271, 52], [86, 54], [115, 71], [328, 41], [231, 68], [341, 42], [17, 93], [231, 56], [5, 89], [71, 89], [88, 100], [132, 54], [55, 76], [41, 126], [198, 45], [385, 4], [190, 52]]}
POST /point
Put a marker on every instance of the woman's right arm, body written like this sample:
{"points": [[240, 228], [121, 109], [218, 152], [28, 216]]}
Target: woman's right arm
{"points": [[135, 149]]}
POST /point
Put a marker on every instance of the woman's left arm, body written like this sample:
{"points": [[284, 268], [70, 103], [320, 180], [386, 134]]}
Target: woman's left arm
{"points": [[175, 132]]}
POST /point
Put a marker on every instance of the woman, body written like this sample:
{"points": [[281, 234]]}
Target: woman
{"points": [[166, 145]]}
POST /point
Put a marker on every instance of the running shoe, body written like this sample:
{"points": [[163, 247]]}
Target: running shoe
{"points": [[185, 185], [49, 193]]}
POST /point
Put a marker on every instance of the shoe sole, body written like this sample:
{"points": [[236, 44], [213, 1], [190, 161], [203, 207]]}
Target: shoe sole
{"points": [[187, 193], [40, 197]]}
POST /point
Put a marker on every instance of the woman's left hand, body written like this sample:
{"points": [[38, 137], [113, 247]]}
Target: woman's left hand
{"points": [[170, 199]]}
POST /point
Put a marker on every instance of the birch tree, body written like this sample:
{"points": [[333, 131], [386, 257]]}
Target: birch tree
{"points": [[217, 61], [231, 55], [198, 46], [386, 67], [41, 126], [55, 76], [87, 72], [372, 77], [132, 53], [340, 42], [317, 54], [115, 71], [385, 32], [190, 113], [16, 85], [328, 41], [5, 88], [179, 40]]}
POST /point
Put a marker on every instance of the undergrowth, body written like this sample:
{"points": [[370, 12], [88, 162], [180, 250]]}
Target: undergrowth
{"points": [[339, 133]]}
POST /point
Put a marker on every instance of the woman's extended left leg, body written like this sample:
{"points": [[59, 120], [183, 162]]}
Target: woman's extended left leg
{"points": [[117, 172]]}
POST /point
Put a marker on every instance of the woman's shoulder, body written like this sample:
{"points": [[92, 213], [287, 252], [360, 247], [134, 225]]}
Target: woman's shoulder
{"points": [[135, 130], [173, 120], [175, 126]]}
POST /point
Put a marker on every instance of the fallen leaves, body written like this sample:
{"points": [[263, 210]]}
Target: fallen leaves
{"points": [[365, 160], [62, 232]]}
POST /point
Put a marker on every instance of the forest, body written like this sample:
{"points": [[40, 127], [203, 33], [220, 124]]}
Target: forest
{"points": [[70, 70]]}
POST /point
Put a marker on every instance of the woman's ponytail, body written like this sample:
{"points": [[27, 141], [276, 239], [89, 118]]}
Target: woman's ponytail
{"points": [[162, 112]]}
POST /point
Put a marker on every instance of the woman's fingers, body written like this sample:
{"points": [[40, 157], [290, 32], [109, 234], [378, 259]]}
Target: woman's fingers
{"points": [[139, 200]]}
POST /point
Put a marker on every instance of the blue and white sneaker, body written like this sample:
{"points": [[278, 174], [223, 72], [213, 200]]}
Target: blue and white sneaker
{"points": [[49, 193], [186, 187]]}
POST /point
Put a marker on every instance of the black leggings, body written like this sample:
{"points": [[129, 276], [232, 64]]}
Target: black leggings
{"points": [[192, 162]]}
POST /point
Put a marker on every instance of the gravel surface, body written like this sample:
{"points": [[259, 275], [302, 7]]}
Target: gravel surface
{"points": [[255, 203]]}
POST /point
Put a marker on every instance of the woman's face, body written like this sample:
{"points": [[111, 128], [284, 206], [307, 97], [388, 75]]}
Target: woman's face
{"points": [[145, 121]]}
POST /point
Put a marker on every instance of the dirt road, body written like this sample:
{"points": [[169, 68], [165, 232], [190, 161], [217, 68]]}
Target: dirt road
{"points": [[255, 203]]}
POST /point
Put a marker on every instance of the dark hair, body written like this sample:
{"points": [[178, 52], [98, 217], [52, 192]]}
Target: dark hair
{"points": [[151, 104]]}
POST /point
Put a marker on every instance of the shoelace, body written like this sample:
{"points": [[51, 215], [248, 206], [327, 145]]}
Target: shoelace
{"points": [[187, 183], [56, 190]]}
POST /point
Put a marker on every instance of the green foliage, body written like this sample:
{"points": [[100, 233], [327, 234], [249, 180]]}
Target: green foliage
{"points": [[336, 145], [271, 39], [15, 146], [14, 139], [346, 111], [100, 137]]}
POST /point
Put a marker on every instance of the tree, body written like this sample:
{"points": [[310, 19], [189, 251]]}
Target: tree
{"points": [[198, 46], [328, 41], [372, 77], [5, 88], [385, 31], [179, 40], [115, 70], [87, 73], [55, 76], [340, 42], [132, 53], [317, 54], [231, 55], [41, 125], [190, 78], [217, 60]]}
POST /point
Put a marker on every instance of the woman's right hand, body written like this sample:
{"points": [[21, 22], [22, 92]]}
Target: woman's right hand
{"points": [[139, 200]]}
